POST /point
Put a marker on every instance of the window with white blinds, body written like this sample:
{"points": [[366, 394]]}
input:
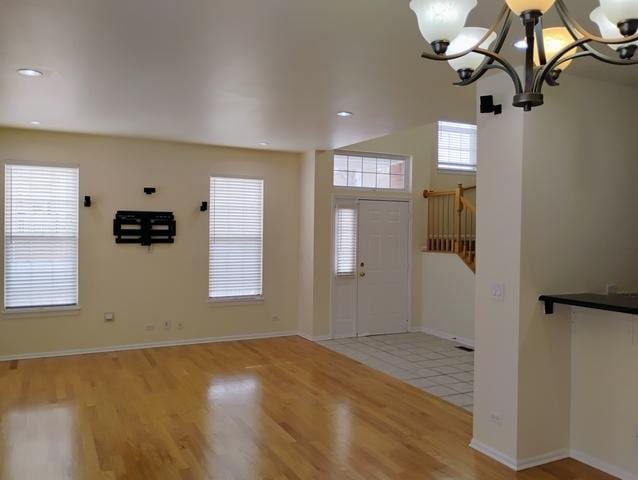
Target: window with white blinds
{"points": [[40, 236], [236, 238], [345, 241], [457, 147]]}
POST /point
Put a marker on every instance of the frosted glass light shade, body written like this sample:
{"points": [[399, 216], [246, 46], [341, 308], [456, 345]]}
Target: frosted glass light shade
{"points": [[441, 19], [620, 10], [608, 29], [520, 6], [555, 39], [469, 37]]}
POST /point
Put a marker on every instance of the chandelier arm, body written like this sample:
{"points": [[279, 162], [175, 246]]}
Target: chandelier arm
{"points": [[578, 32], [506, 67], [540, 43], [479, 73], [504, 16], [488, 63], [542, 73]]}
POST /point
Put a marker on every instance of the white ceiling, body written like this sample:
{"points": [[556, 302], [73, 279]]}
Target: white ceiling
{"points": [[233, 72]]}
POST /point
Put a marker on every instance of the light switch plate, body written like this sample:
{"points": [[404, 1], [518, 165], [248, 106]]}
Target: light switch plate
{"points": [[498, 291]]}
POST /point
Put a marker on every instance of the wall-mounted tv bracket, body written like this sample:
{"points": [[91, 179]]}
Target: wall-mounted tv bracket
{"points": [[150, 190], [87, 200], [487, 105], [144, 228], [203, 207]]}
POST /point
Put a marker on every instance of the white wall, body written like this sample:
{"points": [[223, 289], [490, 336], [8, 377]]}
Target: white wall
{"points": [[171, 282], [556, 196], [306, 243], [448, 297]]}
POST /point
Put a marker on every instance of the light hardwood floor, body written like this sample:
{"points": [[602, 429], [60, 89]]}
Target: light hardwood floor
{"points": [[265, 409]]}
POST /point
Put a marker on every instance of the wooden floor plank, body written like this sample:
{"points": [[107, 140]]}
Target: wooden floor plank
{"points": [[280, 409]]}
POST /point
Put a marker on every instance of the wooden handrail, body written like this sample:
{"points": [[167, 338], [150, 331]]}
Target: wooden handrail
{"points": [[451, 226], [443, 193]]}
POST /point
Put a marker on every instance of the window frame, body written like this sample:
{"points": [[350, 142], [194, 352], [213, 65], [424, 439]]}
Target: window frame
{"points": [[244, 299], [34, 311], [386, 156], [455, 171]]}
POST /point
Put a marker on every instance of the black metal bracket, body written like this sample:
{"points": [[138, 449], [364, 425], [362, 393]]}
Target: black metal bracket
{"points": [[87, 200], [144, 228], [149, 190], [203, 207], [487, 105], [549, 307]]}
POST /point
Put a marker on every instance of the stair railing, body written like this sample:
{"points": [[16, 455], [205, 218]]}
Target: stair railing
{"points": [[451, 225]]}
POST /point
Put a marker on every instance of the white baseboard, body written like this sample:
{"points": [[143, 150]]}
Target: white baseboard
{"points": [[493, 454], [314, 338], [138, 346], [522, 464], [538, 460], [604, 466], [437, 333]]}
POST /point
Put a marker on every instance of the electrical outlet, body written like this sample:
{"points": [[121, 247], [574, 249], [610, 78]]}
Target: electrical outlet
{"points": [[149, 326], [109, 317], [498, 291], [496, 418], [180, 325], [275, 318], [167, 325]]}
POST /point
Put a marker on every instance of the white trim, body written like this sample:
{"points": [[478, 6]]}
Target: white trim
{"points": [[235, 301], [43, 310], [493, 454], [448, 336], [524, 464], [140, 346], [601, 465], [314, 338], [538, 460]]}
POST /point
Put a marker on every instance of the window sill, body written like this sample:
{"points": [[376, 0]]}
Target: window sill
{"points": [[235, 301], [69, 310], [456, 172]]}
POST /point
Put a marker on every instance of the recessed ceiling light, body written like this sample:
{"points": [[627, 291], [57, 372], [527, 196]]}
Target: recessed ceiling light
{"points": [[30, 72], [264, 144], [345, 114], [35, 122], [521, 44]]}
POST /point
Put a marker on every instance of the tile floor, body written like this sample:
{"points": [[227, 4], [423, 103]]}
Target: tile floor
{"points": [[430, 363]]}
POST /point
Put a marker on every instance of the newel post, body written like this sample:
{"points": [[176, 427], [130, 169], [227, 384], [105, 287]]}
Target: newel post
{"points": [[457, 223]]}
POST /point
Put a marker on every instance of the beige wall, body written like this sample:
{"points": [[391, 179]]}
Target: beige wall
{"points": [[170, 282], [562, 221], [447, 297]]}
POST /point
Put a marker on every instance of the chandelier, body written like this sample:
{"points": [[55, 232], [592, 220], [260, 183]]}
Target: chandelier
{"points": [[472, 51]]}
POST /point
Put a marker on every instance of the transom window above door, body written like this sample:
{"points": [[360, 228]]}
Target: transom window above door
{"points": [[370, 171]]}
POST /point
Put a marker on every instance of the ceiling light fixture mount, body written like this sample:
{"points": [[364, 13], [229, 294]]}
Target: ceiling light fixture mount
{"points": [[471, 52], [344, 114]]}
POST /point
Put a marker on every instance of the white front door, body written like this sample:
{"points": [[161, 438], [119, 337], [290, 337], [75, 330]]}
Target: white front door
{"points": [[383, 268]]}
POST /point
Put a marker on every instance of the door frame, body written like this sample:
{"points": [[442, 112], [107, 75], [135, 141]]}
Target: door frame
{"points": [[358, 197]]}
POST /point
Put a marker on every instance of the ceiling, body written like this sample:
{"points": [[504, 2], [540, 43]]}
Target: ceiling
{"points": [[233, 72]]}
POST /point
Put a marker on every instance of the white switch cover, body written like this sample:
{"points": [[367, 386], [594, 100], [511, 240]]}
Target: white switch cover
{"points": [[109, 317], [498, 291]]}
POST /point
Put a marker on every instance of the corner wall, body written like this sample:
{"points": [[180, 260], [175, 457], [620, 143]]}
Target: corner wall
{"points": [[557, 197]]}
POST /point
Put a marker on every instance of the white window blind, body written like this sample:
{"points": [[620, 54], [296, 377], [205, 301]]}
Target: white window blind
{"points": [[236, 238], [345, 241], [41, 236], [457, 147]]}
